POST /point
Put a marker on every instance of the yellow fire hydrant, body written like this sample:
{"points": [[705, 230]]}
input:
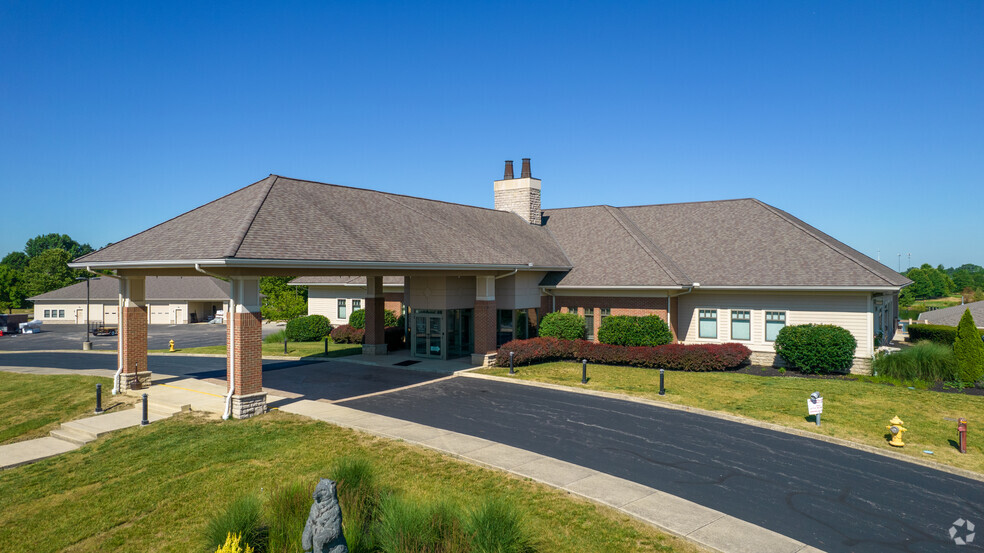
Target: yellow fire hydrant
{"points": [[172, 349], [896, 429]]}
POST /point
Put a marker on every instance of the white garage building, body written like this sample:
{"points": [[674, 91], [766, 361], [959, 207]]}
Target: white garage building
{"points": [[170, 300]]}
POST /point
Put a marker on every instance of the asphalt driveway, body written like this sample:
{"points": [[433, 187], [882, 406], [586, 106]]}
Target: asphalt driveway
{"points": [[70, 337]]}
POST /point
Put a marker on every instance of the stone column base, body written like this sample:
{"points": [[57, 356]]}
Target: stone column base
{"points": [[373, 349], [248, 405], [483, 359], [134, 381]]}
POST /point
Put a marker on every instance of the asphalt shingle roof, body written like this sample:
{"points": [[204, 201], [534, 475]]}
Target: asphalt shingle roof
{"points": [[202, 288], [358, 280], [950, 316]]}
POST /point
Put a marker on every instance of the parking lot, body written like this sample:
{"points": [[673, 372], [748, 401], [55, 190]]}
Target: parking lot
{"points": [[70, 337]]}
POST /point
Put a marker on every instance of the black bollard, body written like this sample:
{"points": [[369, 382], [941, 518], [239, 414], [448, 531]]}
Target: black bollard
{"points": [[285, 343], [511, 371], [662, 390], [99, 399], [326, 346], [145, 420], [584, 371]]}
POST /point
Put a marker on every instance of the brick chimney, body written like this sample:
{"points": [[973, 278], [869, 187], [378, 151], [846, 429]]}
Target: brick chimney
{"points": [[521, 196]]}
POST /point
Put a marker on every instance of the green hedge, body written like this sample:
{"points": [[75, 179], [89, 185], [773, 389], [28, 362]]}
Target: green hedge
{"points": [[312, 328], [567, 326], [817, 349], [358, 319], [934, 333], [624, 330]]}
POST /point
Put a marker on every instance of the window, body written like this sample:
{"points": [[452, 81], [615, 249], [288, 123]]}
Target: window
{"points": [[708, 323], [47, 313], [605, 312], [774, 321], [505, 326], [61, 313], [741, 324], [356, 305], [341, 310], [589, 323]]}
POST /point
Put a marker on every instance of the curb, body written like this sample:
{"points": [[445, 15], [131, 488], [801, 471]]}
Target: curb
{"points": [[735, 418]]}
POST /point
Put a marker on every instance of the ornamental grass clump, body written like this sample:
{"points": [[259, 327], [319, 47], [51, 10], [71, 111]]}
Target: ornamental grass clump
{"points": [[968, 350], [927, 361], [359, 496], [497, 527], [817, 349], [407, 526], [244, 518], [287, 513]]}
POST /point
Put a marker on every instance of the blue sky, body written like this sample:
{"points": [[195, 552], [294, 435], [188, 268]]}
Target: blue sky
{"points": [[863, 119]]}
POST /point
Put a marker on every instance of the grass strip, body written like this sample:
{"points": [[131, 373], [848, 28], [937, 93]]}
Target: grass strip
{"points": [[857, 409]]}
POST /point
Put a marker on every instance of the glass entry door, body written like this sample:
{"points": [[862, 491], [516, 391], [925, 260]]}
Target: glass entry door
{"points": [[428, 339]]}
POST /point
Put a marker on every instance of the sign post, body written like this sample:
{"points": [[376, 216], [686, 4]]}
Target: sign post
{"points": [[814, 406]]}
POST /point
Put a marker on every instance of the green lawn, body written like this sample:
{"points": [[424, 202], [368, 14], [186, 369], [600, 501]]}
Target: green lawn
{"points": [[920, 306], [154, 488], [31, 406], [856, 410], [294, 349]]}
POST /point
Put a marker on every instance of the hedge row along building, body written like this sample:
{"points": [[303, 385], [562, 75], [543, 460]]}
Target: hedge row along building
{"points": [[474, 277]]}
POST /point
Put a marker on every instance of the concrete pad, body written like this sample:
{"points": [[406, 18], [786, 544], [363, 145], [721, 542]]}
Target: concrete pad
{"points": [[456, 444], [322, 411], [419, 433], [21, 453], [809, 549], [502, 456], [553, 472], [379, 424], [609, 489], [737, 536], [677, 515]]}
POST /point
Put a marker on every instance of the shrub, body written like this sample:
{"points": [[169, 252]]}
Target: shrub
{"points": [[940, 334], [393, 336], [624, 330], [287, 513], [694, 357], [241, 518], [276, 337], [818, 349], [925, 360], [232, 545], [569, 326], [496, 527], [347, 334], [359, 496], [312, 328], [968, 350], [358, 318]]}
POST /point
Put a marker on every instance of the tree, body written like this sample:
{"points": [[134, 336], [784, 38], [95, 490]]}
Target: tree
{"points": [[48, 271], [12, 292], [968, 349], [16, 260], [282, 302], [41, 243]]}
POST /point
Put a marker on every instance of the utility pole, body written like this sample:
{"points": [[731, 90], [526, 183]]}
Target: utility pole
{"points": [[900, 262]]}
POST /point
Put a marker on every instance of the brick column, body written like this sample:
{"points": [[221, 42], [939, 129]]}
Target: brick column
{"points": [[244, 360], [375, 338], [485, 321], [132, 336]]}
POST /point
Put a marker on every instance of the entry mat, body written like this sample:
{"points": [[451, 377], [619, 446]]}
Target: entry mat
{"points": [[406, 363], [267, 367]]}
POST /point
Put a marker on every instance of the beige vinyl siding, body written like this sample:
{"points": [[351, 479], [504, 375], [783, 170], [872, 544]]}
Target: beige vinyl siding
{"points": [[847, 310], [323, 300]]}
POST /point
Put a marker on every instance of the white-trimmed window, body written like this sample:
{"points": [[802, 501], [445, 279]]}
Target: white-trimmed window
{"points": [[774, 322], [741, 324], [341, 310], [356, 305], [47, 313], [61, 313], [707, 321]]}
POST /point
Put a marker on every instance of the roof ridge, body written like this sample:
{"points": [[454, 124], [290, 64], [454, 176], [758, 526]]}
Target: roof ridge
{"points": [[244, 229], [802, 226], [648, 246], [653, 205]]}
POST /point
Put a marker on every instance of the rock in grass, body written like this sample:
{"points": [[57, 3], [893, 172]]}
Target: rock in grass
{"points": [[323, 531]]}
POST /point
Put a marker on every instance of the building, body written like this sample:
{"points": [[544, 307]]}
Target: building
{"points": [[170, 300], [337, 297], [474, 277], [950, 316]]}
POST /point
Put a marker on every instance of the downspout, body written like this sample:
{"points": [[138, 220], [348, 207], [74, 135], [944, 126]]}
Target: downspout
{"points": [[231, 323], [119, 317], [507, 274]]}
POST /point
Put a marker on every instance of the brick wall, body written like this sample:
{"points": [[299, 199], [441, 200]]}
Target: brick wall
{"points": [[133, 339], [246, 337], [633, 306], [485, 326], [394, 302]]}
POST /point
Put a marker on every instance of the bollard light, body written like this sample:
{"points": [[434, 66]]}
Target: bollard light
{"points": [[511, 371], [99, 391], [662, 390], [285, 343], [584, 371], [326, 345], [962, 435], [145, 421]]}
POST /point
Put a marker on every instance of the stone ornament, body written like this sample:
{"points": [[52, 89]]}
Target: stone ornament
{"points": [[323, 531]]}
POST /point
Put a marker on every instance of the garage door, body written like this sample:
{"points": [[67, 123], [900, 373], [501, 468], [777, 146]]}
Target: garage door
{"points": [[160, 315], [109, 315]]}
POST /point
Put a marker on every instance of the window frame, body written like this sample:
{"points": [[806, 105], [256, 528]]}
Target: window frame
{"points": [[47, 314], [765, 322], [341, 310], [61, 313], [747, 321], [701, 318]]}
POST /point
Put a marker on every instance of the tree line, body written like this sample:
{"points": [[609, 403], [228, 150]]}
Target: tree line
{"points": [[41, 267], [937, 282]]}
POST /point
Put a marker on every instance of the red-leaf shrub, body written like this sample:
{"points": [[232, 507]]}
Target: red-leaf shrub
{"points": [[681, 357], [347, 334]]}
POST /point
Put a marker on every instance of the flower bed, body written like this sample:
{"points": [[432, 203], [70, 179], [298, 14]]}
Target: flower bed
{"points": [[694, 357]]}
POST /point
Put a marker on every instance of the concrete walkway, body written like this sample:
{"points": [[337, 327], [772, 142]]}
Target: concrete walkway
{"points": [[672, 514]]}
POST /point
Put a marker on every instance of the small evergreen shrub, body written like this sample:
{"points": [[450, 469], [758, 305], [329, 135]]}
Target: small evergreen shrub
{"points": [[287, 513], [496, 527], [692, 357], [358, 318], [968, 350], [940, 334], [312, 328], [927, 361], [347, 334], [243, 518], [818, 349], [568, 326], [623, 330], [232, 545]]}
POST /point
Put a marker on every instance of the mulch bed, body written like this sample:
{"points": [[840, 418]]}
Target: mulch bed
{"points": [[757, 370]]}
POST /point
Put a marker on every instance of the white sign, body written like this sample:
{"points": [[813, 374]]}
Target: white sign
{"points": [[815, 407]]}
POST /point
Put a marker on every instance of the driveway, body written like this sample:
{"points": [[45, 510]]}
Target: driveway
{"points": [[834, 498], [70, 337]]}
